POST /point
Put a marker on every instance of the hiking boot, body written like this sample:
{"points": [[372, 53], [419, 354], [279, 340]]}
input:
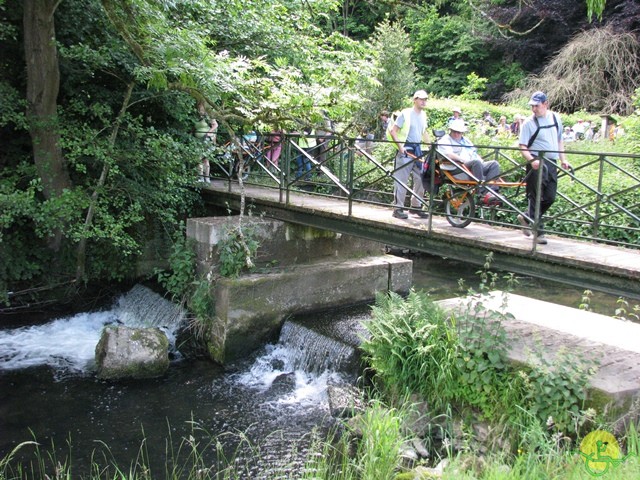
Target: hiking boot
{"points": [[399, 213], [542, 240], [523, 221], [419, 213]]}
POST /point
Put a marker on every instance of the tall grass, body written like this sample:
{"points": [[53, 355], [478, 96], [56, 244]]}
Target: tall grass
{"points": [[197, 456], [368, 449]]}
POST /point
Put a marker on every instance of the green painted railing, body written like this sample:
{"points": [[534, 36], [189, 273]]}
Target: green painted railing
{"points": [[598, 198]]}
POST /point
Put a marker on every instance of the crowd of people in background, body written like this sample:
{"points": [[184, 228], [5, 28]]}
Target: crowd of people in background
{"points": [[581, 130], [313, 143]]}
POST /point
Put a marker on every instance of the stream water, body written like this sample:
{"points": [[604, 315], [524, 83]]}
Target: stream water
{"points": [[263, 409]]}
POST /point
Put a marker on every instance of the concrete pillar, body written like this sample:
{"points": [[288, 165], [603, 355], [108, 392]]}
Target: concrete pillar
{"points": [[302, 269]]}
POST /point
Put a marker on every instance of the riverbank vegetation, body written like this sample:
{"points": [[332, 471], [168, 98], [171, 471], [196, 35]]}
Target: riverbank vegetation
{"points": [[99, 164], [440, 381], [488, 418], [492, 418]]}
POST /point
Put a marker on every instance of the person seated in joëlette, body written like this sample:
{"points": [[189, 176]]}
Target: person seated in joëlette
{"points": [[457, 147]]}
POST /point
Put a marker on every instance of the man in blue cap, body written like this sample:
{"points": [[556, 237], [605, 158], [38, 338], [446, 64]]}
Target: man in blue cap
{"points": [[541, 146]]}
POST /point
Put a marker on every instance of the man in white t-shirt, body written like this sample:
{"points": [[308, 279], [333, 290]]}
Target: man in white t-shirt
{"points": [[409, 132]]}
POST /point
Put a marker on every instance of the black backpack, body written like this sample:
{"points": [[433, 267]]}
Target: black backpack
{"points": [[538, 128]]}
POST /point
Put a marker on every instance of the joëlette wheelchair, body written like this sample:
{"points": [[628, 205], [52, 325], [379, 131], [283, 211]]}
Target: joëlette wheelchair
{"points": [[455, 186]]}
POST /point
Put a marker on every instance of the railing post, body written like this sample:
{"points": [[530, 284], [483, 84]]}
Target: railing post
{"points": [[232, 162], [341, 160], [432, 181], [287, 172], [538, 217], [350, 164], [284, 165], [596, 219]]}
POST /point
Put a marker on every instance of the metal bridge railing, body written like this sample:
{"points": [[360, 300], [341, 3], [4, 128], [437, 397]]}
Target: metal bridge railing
{"points": [[597, 200]]}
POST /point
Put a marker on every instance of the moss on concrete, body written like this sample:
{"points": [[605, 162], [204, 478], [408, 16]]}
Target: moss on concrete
{"points": [[299, 232], [612, 407]]}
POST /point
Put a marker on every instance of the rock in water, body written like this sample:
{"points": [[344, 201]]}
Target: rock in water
{"points": [[125, 352]]}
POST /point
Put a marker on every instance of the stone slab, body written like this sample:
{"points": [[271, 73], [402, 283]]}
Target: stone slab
{"points": [[613, 343], [280, 243], [249, 309]]}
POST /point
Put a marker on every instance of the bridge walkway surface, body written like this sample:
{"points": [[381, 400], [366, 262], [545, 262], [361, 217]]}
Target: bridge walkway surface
{"points": [[585, 264]]}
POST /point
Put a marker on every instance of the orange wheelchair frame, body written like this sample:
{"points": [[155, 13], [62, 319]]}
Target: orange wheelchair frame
{"points": [[460, 198]]}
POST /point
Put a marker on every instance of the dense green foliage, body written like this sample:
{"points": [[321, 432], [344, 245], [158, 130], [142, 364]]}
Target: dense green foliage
{"points": [[461, 361], [395, 75], [236, 249], [117, 173], [448, 49], [131, 76], [178, 281]]}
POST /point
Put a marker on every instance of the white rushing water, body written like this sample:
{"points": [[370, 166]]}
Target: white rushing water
{"points": [[68, 344], [278, 398], [302, 364], [279, 362]]}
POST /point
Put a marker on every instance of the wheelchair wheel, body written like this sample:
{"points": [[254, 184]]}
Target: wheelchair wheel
{"points": [[460, 207]]}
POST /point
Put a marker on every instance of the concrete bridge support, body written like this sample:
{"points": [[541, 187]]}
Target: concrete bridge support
{"points": [[302, 269]]}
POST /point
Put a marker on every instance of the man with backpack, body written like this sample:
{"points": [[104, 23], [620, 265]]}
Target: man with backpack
{"points": [[408, 132], [542, 146]]}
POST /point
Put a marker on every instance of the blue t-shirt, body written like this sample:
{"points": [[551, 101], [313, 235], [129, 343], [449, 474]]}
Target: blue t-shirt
{"points": [[548, 138]]}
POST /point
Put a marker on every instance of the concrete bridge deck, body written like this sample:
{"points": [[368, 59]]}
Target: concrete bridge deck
{"points": [[611, 269]]}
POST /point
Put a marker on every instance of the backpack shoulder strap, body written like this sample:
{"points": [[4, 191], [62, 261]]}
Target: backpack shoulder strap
{"points": [[538, 127], [535, 134], [555, 122]]}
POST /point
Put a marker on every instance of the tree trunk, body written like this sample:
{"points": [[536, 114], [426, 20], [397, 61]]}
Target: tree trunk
{"points": [[43, 82]]}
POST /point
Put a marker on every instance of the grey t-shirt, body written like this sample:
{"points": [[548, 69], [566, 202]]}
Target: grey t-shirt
{"points": [[548, 138], [417, 125]]}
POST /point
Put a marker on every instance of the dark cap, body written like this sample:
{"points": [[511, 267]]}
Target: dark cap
{"points": [[538, 98]]}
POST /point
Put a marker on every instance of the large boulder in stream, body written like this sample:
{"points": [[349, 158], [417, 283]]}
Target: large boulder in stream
{"points": [[125, 352]]}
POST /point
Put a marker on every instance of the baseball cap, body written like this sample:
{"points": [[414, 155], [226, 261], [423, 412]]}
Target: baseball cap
{"points": [[538, 98], [420, 94], [457, 125], [456, 109]]}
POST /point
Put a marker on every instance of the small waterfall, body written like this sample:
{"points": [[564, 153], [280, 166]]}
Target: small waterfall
{"points": [[141, 307], [314, 352], [290, 379], [303, 362], [68, 344]]}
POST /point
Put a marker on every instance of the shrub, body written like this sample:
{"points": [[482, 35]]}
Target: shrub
{"points": [[236, 249], [178, 281], [462, 361], [412, 347]]}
